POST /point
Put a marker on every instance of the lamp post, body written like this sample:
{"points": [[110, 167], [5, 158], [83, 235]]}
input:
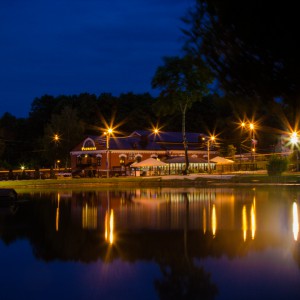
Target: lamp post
{"points": [[294, 139], [58, 165], [56, 141], [243, 125], [108, 134], [211, 139], [253, 141], [56, 138]]}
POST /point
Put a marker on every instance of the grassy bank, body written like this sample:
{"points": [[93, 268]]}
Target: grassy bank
{"points": [[121, 182]]}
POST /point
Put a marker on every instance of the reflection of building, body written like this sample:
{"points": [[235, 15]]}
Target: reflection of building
{"points": [[150, 222], [92, 155], [89, 216]]}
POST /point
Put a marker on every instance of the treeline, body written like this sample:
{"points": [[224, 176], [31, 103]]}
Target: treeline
{"points": [[30, 141]]}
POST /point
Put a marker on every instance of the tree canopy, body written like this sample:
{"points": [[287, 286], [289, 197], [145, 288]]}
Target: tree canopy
{"points": [[182, 82], [251, 46]]}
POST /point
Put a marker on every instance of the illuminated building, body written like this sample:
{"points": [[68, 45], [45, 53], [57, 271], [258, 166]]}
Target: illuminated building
{"points": [[92, 157]]}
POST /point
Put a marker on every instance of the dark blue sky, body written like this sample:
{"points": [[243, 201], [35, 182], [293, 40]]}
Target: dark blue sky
{"points": [[70, 47]]}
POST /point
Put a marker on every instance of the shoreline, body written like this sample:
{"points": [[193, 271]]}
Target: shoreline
{"points": [[191, 180]]}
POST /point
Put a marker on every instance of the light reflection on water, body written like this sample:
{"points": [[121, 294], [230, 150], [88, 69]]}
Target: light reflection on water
{"points": [[155, 243]]}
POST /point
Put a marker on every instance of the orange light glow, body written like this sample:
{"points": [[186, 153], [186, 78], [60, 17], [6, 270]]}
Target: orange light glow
{"points": [[244, 222], [214, 220], [109, 227], [295, 221]]}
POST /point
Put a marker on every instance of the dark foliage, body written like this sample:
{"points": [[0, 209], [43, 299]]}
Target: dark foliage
{"points": [[252, 48], [277, 165]]}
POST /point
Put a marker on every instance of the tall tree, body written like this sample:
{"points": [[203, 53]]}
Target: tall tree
{"points": [[251, 46], [182, 81], [69, 130]]}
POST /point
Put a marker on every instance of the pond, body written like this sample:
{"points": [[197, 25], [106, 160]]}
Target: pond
{"points": [[152, 243]]}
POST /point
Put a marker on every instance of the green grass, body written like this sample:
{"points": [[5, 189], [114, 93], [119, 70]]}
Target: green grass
{"points": [[71, 182], [121, 182], [259, 178]]}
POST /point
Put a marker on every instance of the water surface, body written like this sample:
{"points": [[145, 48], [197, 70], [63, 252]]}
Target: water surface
{"points": [[161, 243]]}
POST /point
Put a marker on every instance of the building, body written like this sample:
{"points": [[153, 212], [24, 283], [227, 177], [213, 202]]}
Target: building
{"points": [[107, 155]]}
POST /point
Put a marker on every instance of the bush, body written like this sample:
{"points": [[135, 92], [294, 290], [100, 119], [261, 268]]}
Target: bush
{"points": [[277, 165]]}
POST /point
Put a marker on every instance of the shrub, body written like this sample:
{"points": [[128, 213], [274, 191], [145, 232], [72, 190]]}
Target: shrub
{"points": [[277, 165]]}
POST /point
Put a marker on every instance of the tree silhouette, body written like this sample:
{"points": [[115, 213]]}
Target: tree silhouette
{"points": [[182, 82]]}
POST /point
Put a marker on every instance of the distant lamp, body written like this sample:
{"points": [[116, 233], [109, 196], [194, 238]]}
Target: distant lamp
{"points": [[294, 140], [253, 140], [210, 140], [108, 133]]}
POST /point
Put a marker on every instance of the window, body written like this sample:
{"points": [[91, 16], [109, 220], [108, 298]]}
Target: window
{"points": [[138, 158], [122, 158]]}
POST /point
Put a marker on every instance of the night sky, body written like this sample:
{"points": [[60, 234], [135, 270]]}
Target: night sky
{"points": [[70, 47]]}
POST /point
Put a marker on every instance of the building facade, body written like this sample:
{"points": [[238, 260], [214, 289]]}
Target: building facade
{"points": [[107, 155]]}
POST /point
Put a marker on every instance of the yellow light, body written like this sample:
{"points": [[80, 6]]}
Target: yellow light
{"points": [[109, 227], [57, 213], [251, 126], [253, 220], [106, 226], [89, 216], [88, 148], [244, 222], [56, 138], [243, 124], [294, 138], [156, 131], [204, 220], [214, 220], [109, 130], [295, 221]]}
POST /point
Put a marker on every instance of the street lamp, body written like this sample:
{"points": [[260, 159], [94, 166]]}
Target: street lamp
{"points": [[108, 134], [253, 141], [56, 141], [242, 126], [56, 138], [211, 139], [294, 139], [155, 130], [251, 128], [57, 164]]}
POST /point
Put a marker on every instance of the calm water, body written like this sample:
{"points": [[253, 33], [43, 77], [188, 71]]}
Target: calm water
{"points": [[197, 243]]}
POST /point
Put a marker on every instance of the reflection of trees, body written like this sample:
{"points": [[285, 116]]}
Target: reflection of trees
{"points": [[181, 278], [8, 221], [75, 240]]}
